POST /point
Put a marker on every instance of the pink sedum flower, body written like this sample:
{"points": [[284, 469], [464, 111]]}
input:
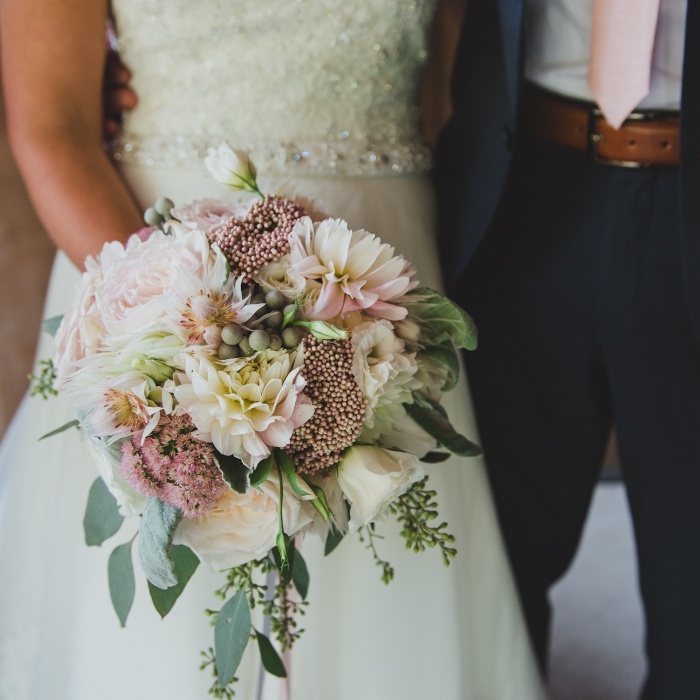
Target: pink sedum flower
{"points": [[174, 466], [348, 271]]}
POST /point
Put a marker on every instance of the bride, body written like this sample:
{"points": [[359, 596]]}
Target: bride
{"points": [[323, 95]]}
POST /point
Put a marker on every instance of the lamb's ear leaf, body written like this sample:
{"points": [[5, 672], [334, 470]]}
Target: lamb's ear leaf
{"points": [[262, 471], [270, 658], [158, 525], [333, 539], [122, 586], [441, 318], [231, 636], [102, 517], [436, 425], [186, 563], [66, 426], [444, 354], [300, 575], [287, 465], [50, 325], [234, 472]]}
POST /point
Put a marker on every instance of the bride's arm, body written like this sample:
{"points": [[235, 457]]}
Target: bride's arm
{"points": [[53, 54]]}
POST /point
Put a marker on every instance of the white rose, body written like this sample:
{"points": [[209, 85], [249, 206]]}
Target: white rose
{"points": [[277, 276], [243, 527], [106, 459], [372, 477]]}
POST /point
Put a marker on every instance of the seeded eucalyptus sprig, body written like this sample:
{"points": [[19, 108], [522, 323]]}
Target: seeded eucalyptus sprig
{"points": [[44, 380], [385, 566], [216, 690], [415, 510]]}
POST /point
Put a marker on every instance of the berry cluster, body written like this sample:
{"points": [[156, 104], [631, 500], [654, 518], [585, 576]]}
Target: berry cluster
{"points": [[260, 238], [340, 406]]}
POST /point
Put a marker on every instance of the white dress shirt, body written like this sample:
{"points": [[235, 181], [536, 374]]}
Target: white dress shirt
{"points": [[558, 48]]}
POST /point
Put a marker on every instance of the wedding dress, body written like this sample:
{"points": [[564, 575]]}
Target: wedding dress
{"points": [[322, 93]]}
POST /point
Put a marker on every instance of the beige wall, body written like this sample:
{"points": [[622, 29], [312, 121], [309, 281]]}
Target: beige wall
{"points": [[26, 254]]}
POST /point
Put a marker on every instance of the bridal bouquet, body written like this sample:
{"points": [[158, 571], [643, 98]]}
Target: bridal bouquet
{"points": [[247, 373]]}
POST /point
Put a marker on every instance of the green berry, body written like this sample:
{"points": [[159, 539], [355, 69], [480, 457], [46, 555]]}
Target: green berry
{"points": [[153, 218], [275, 300], [164, 206], [275, 342], [227, 352], [291, 338], [289, 309], [232, 334], [274, 320], [259, 340], [245, 349]]}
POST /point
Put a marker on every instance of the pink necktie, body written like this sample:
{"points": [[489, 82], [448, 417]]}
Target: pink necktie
{"points": [[621, 49]]}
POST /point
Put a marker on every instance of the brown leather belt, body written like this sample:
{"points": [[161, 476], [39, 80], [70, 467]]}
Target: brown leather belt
{"points": [[645, 139]]}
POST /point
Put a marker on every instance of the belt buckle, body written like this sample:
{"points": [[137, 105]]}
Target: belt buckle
{"points": [[594, 138]]}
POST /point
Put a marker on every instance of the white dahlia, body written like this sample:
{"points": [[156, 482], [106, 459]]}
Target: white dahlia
{"points": [[247, 406]]}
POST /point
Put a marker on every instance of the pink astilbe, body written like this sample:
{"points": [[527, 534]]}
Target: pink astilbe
{"points": [[174, 466]]}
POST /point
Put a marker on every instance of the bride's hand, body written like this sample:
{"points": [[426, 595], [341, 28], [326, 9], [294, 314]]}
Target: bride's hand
{"points": [[53, 59]]}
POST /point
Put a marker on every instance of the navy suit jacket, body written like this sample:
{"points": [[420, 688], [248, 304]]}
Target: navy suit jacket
{"points": [[475, 149]]}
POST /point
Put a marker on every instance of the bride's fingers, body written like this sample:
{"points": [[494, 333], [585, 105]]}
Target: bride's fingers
{"points": [[118, 100]]}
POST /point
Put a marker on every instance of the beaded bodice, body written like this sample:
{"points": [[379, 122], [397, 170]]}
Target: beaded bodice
{"points": [[313, 86]]}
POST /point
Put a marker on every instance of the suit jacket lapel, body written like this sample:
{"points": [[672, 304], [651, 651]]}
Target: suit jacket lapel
{"points": [[511, 15]]}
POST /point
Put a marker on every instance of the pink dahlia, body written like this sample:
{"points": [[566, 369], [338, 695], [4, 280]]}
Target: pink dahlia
{"points": [[174, 466], [348, 271]]}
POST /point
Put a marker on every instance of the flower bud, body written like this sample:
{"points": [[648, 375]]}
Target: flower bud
{"points": [[259, 340], [153, 218], [164, 206], [227, 352], [275, 300], [232, 334], [291, 338]]}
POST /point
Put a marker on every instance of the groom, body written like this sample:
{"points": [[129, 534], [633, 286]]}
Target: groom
{"points": [[569, 188]]}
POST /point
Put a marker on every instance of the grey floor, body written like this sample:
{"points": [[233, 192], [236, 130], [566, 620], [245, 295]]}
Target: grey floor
{"points": [[598, 627]]}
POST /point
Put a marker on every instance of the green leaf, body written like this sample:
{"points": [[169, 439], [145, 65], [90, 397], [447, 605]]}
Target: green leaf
{"points": [[333, 539], [234, 472], [292, 313], [231, 636], [300, 575], [186, 564], [122, 587], [269, 656], [441, 319], [67, 426], [435, 457], [50, 325], [437, 426], [158, 524], [262, 471], [322, 330], [102, 517], [445, 355], [287, 464]]}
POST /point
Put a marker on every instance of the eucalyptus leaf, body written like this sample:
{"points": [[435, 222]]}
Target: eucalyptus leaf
{"points": [[122, 586], [50, 325], [158, 524], [444, 354], [262, 471], [102, 517], [287, 465], [437, 426], [186, 563], [441, 319], [435, 457], [234, 472], [333, 539], [300, 575], [66, 426], [270, 658], [231, 636]]}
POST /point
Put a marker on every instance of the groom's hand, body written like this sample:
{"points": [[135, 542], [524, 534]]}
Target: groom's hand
{"points": [[118, 96]]}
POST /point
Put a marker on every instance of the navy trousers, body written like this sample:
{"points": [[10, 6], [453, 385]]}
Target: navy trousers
{"points": [[578, 294]]}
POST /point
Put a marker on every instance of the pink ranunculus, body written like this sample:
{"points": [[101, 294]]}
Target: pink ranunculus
{"points": [[119, 292], [208, 214], [348, 271]]}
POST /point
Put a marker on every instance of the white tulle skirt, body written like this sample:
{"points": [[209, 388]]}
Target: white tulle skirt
{"points": [[452, 633]]}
